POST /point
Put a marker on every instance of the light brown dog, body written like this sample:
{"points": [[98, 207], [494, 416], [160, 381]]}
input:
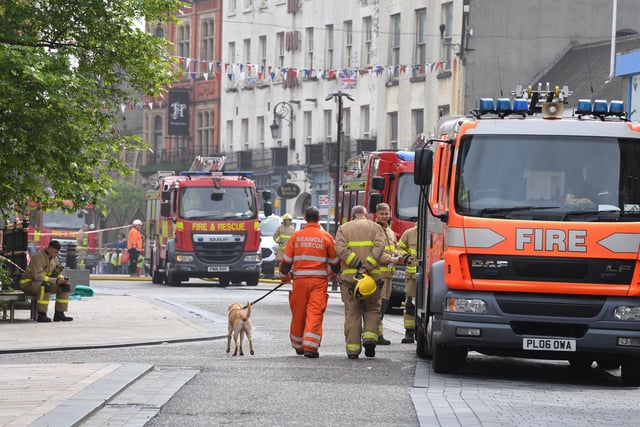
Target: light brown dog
{"points": [[239, 324]]}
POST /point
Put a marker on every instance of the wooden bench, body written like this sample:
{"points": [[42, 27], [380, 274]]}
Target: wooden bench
{"points": [[17, 301]]}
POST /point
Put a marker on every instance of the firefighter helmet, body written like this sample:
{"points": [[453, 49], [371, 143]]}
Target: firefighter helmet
{"points": [[286, 216], [365, 287]]}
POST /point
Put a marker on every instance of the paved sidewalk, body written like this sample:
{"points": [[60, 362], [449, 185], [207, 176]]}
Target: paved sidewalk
{"points": [[73, 391]]}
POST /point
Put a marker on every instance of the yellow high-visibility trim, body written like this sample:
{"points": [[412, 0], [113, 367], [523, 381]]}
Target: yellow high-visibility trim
{"points": [[360, 243]]}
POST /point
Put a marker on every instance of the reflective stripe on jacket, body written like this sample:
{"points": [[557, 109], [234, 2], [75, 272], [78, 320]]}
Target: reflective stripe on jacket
{"points": [[360, 240], [407, 245], [310, 251]]}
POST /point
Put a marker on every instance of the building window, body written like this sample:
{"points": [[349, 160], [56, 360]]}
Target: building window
{"points": [[309, 55], [183, 40], [420, 56], [394, 42], [248, 4], [308, 128], [244, 130], [247, 51], [444, 110], [447, 38], [365, 126], [233, 5], [393, 130], [230, 135], [207, 40], [231, 52], [367, 40], [417, 120], [348, 43], [204, 132], [260, 132], [262, 52], [328, 121], [158, 139], [280, 49], [328, 53]]}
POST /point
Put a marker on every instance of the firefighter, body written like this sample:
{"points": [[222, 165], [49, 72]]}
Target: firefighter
{"points": [[308, 255], [281, 236], [134, 246], [43, 277], [359, 244], [408, 247], [387, 263], [82, 243]]}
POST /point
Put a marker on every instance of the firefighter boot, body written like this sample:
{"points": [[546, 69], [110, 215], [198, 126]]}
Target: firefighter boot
{"points": [[408, 336], [369, 348], [60, 317], [42, 317]]}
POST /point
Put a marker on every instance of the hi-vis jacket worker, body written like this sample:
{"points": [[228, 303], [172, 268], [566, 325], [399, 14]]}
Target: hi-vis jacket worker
{"points": [[308, 256], [281, 236], [408, 247], [359, 244], [43, 277]]}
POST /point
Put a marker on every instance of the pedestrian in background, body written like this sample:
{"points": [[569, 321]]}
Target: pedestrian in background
{"points": [[43, 277], [120, 245], [308, 256], [388, 262], [408, 248], [359, 244], [134, 246]]}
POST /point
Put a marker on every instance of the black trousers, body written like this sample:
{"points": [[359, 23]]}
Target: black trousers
{"points": [[133, 260]]}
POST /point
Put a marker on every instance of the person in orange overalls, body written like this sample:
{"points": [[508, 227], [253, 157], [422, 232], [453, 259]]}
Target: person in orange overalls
{"points": [[307, 257]]}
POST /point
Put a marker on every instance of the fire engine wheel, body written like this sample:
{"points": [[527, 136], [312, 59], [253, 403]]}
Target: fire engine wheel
{"points": [[422, 344], [631, 371], [447, 360], [173, 279], [157, 278], [253, 281]]}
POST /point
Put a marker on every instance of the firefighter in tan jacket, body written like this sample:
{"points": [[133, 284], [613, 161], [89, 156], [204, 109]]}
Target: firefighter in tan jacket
{"points": [[281, 236], [359, 245], [408, 247], [43, 277], [388, 262]]}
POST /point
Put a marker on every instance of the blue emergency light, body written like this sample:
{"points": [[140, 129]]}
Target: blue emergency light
{"points": [[503, 105], [406, 155], [600, 106], [616, 107], [584, 106], [520, 105], [486, 105]]}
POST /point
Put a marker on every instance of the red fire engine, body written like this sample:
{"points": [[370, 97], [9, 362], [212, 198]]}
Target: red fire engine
{"points": [[57, 224], [204, 223], [383, 176]]}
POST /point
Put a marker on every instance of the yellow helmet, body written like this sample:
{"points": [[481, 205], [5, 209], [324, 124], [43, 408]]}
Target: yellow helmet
{"points": [[286, 216], [365, 287]]}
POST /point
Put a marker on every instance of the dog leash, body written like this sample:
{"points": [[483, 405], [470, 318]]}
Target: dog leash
{"points": [[263, 296]]}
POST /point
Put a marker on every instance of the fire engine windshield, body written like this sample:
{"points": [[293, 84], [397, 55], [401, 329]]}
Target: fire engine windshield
{"points": [[553, 178], [408, 195], [196, 203], [58, 219]]}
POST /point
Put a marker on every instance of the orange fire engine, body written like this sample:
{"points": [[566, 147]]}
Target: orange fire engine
{"points": [[529, 234]]}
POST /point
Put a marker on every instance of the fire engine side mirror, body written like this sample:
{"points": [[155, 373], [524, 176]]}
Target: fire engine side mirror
{"points": [[423, 166], [267, 208], [374, 199], [166, 196], [266, 195], [377, 183], [165, 208]]}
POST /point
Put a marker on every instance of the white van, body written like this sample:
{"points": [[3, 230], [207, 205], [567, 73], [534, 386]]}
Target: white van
{"points": [[268, 246]]}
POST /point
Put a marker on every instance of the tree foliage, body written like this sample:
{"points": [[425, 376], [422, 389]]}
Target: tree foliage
{"points": [[126, 196], [66, 66]]}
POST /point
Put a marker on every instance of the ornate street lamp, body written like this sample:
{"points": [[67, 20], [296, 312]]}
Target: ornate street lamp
{"points": [[283, 109], [338, 95]]}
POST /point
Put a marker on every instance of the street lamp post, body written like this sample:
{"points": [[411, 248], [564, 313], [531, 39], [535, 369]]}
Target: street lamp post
{"points": [[283, 109], [338, 95]]}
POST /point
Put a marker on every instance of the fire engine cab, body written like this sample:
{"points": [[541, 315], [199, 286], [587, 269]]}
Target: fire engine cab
{"points": [[529, 232]]}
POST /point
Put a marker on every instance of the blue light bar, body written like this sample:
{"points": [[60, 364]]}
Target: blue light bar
{"points": [[600, 106], [503, 104], [520, 105], [616, 107], [195, 173], [584, 106], [486, 104], [406, 155]]}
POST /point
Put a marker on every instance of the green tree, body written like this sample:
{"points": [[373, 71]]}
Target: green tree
{"points": [[126, 196], [66, 66]]}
